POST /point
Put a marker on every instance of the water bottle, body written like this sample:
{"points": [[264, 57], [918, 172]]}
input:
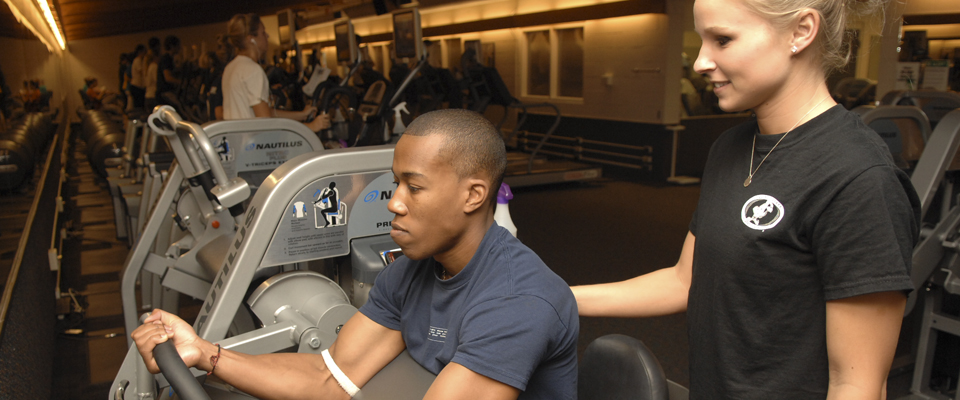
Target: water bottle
{"points": [[502, 215]]}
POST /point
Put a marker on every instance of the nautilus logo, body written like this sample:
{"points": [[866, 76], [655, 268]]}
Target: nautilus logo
{"points": [[375, 195], [274, 145], [761, 212]]}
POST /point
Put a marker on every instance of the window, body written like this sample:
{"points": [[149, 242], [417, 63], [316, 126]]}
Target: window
{"points": [[538, 63], [554, 63], [570, 46]]}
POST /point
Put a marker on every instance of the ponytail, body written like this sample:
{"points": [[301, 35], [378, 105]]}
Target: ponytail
{"points": [[833, 39], [235, 40]]}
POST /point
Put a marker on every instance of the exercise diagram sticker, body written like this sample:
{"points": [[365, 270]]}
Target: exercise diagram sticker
{"points": [[224, 151], [331, 211], [761, 212]]}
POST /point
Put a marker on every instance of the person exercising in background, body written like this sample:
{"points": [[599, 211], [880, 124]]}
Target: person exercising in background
{"points": [[137, 84], [467, 300], [246, 92], [167, 79]]}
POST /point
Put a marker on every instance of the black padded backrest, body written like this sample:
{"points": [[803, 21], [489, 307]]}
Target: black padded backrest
{"points": [[499, 93], [618, 367]]}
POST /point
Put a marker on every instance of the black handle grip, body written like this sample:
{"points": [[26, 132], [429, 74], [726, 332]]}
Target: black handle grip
{"points": [[177, 372]]}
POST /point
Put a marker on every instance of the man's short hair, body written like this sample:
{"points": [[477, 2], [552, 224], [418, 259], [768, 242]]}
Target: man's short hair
{"points": [[170, 42], [471, 144]]}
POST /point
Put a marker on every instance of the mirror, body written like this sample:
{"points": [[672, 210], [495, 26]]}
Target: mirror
{"points": [[30, 75]]}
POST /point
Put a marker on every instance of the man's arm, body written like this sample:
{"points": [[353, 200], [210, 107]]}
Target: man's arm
{"points": [[456, 382], [660, 292], [322, 121], [862, 336], [362, 349], [170, 78]]}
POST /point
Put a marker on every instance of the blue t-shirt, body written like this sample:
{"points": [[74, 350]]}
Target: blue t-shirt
{"points": [[506, 316], [165, 64]]}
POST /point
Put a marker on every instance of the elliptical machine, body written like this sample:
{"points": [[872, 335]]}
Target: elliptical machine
{"points": [[181, 254]]}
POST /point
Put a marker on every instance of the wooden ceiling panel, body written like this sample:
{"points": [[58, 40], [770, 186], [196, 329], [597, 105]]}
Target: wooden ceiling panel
{"points": [[82, 19]]}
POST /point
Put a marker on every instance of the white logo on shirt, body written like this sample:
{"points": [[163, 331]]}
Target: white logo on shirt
{"points": [[437, 334], [761, 212]]}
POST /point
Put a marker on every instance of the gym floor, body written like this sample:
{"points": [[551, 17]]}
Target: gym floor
{"points": [[595, 232]]}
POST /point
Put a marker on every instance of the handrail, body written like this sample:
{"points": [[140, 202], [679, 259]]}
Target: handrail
{"points": [[56, 250], [24, 237]]}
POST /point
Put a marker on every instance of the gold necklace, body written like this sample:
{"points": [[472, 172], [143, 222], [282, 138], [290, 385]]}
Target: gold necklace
{"points": [[751, 171], [443, 274]]}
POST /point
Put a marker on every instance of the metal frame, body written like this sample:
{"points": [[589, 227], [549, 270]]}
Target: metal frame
{"points": [[291, 326], [935, 258], [153, 240]]}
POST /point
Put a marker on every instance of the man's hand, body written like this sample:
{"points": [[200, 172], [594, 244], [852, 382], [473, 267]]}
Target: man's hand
{"points": [[307, 111], [320, 123], [158, 328]]}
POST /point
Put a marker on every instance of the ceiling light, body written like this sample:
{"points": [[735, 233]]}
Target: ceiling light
{"points": [[50, 22], [27, 13]]}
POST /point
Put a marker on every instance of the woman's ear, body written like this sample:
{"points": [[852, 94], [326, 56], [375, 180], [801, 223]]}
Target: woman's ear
{"points": [[805, 30]]}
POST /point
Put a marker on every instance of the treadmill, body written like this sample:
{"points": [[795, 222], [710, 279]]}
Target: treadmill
{"points": [[486, 87]]}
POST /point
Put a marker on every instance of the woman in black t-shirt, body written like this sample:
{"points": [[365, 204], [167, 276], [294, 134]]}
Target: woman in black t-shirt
{"points": [[801, 206]]}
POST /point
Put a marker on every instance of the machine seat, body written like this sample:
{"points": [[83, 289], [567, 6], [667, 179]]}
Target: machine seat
{"points": [[210, 257], [618, 367], [905, 130]]}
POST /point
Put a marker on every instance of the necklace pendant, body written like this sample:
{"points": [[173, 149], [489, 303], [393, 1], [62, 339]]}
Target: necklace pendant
{"points": [[747, 181]]}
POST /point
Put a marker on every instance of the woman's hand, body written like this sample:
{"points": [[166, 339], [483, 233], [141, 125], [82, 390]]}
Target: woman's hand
{"points": [[158, 328]]}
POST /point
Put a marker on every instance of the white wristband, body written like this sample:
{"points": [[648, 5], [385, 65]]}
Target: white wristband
{"points": [[341, 378]]}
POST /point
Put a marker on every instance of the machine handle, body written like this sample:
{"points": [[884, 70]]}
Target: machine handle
{"points": [[177, 372], [166, 121], [121, 389]]}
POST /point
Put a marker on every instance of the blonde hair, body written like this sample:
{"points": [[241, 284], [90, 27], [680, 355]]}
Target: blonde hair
{"points": [[239, 27], [832, 41]]}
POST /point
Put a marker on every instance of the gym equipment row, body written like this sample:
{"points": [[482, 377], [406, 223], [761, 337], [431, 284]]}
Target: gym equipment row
{"points": [[486, 87], [361, 118], [104, 138], [21, 147]]}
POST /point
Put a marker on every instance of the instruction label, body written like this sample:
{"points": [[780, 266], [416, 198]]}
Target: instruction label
{"points": [[325, 215]]}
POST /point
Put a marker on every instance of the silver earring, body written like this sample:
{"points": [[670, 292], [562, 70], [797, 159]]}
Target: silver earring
{"points": [[793, 49]]}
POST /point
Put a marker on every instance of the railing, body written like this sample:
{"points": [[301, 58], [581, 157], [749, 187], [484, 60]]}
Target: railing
{"points": [[27, 316], [58, 143], [580, 149]]}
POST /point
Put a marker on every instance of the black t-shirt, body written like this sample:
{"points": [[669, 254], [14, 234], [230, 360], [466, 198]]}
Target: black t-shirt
{"points": [[827, 216], [165, 64]]}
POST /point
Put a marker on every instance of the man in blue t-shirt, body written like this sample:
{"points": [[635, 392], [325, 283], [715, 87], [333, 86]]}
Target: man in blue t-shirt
{"points": [[167, 80], [470, 302]]}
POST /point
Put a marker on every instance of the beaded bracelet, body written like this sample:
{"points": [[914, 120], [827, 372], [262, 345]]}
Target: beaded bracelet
{"points": [[213, 360]]}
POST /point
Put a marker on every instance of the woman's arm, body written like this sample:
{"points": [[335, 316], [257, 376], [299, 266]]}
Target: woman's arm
{"points": [[660, 292], [862, 334]]}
